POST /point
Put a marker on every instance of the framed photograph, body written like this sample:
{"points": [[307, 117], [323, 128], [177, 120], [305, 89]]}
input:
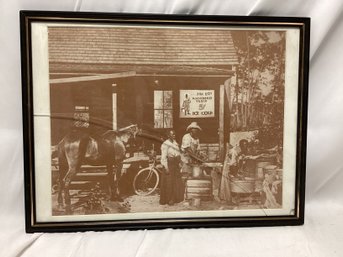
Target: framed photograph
{"points": [[145, 121]]}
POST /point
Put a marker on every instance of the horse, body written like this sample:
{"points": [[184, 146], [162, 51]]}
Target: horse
{"points": [[78, 148]]}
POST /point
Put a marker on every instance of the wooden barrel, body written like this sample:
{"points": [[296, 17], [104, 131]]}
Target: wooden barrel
{"points": [[198, 188], [260, 165]]}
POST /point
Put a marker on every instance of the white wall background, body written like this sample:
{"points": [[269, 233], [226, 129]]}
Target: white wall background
{"points": [[322, 233]]}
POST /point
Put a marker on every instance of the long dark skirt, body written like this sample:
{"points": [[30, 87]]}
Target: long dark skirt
{"points": [[171, 188]]}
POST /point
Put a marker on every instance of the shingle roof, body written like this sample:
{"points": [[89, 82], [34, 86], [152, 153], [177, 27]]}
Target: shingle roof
{"points": [[141, 46]]}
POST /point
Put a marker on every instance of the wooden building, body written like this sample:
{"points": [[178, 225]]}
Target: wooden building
{"points": [[159, 78]]}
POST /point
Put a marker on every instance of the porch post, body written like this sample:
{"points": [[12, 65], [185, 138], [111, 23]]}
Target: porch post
{"points": [[221, 122], [114, 107]]}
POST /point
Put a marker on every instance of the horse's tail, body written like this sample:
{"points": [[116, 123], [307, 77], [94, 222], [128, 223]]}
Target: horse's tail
{"points": [[82, 150]]}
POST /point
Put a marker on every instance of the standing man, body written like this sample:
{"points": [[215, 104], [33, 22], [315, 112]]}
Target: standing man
{"points": [[190, 146], [172, 189]]}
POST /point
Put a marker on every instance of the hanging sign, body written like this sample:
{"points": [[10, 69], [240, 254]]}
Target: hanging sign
{"points": [[196, 103]]}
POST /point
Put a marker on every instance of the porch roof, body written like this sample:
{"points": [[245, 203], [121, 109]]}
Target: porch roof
{"points": [[143, 49]]}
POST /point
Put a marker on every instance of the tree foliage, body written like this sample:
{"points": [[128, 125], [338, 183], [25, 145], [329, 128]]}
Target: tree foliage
{"points": [[257, 92]]}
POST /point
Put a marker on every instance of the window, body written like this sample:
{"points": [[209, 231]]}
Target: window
{"points": [[163, 109], [81, 117]]}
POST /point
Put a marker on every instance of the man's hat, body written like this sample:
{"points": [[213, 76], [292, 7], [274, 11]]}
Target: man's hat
{"points": [[127, 128], [193, 125]]}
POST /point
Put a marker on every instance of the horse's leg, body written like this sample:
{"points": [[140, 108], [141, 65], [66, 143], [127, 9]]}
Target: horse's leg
{"points": [[74, 168], [63, 169], [118, 168], [114, 174], [110, 180], [67, 181], [62, 173], [59, 195], [74, 153]]}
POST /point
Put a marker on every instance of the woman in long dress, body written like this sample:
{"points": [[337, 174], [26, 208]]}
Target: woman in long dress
{"points": [[172, 189]]}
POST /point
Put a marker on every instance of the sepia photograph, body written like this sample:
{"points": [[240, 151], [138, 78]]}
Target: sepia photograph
{"points": [[137, 121]]}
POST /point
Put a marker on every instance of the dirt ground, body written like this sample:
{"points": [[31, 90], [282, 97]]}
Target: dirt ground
{"points": [[138, 203]]}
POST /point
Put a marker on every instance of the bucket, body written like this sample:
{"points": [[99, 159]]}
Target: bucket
{"points": [[197, 171], [242, 186], [260, 169], [196, 202]]}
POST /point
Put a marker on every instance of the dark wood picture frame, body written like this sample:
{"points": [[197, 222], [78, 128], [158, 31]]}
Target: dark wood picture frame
{"points": [[30, 65]]}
